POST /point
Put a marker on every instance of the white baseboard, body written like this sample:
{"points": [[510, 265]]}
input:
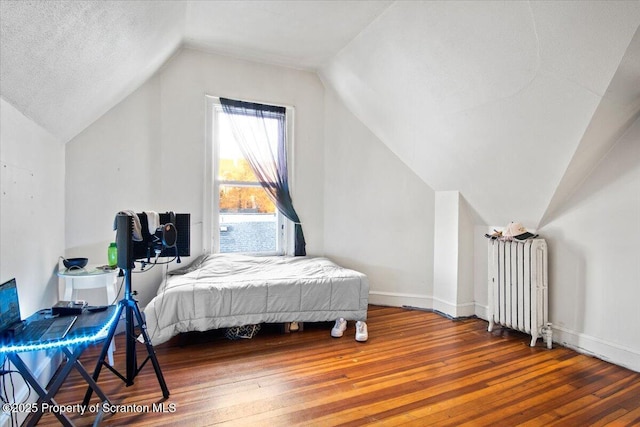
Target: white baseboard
{"points": [[596, 347], [400, 300], [482, 311], [421, 301], [454, 310]]}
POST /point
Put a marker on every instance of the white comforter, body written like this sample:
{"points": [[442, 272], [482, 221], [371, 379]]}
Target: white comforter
{"points": [[225, 290]]}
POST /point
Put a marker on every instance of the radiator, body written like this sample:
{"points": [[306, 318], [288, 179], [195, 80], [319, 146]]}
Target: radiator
{"points": [[518, 287]]}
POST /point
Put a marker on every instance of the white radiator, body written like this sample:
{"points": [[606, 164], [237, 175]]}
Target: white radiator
{"points": [[518, 287]]}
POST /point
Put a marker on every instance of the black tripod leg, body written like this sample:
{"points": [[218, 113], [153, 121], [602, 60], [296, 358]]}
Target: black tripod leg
{"points": [[131, 308], [151, 351], [130, 346], [103, 353]]}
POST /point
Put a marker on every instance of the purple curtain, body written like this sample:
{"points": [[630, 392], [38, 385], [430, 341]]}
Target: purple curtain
{"points": [[268, 159]]}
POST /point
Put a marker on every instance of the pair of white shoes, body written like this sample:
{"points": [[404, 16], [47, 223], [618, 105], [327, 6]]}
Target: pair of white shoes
{"points": [[341, 325]]}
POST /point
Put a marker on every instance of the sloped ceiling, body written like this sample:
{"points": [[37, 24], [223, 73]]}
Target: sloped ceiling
{"points": [[494, 99], [510, 103], [64, 63]]}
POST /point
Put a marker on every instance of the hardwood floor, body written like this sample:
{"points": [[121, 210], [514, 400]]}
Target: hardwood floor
{"points": [[417, 369]]}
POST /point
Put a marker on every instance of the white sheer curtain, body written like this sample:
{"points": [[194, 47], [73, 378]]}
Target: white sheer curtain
{"points": [[251, 124]]}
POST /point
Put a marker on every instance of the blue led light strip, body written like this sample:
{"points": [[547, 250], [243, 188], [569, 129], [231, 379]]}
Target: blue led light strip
{"points": [[85, 339]]}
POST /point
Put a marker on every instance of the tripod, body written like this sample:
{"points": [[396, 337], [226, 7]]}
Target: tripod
{"points": [[131, 309]]}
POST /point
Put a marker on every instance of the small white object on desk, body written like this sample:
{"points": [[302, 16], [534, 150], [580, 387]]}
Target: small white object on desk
{"points": [[90, 277]]}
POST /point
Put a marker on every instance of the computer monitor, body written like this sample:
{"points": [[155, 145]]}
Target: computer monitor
{"points": [[9, 305]]}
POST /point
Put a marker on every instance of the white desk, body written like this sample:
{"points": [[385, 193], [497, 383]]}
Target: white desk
{"points": [[90, 277]]}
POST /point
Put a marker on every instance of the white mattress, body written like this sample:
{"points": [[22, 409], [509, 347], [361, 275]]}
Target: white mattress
{"points": [[225, 290]]}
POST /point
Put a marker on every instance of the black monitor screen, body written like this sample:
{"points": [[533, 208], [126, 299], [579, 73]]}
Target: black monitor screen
{"points": [[9, 305]]}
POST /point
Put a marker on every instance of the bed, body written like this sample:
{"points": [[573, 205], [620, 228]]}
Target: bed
{"points": [[228, 290]]}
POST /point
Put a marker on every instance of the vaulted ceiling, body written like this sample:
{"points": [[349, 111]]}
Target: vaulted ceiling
{"points": [[510, 103]]}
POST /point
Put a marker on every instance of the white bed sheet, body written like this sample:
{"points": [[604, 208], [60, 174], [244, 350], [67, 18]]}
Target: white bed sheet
{"points": [[227, 290]]}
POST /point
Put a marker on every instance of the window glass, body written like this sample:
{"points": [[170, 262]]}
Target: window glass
{"points": [[246, 218]]}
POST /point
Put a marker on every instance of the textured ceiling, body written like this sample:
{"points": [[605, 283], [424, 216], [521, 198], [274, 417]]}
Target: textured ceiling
{"points": [[510, 103], [301, 34], [65, 63]]}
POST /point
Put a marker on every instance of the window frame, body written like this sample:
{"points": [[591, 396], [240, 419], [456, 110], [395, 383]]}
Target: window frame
{"points": [[285, 238]]}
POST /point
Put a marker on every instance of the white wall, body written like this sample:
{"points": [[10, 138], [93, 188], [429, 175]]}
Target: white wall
{"points": [[111, 166], [453, 287], [594, 259], [32, 208], [148, 152], [360, 205], [379, 216], [466, 259], [481, 270], [446, 252], [31, 219], [457, 88]]}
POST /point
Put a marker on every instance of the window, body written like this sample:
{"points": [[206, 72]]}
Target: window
{"points": [[244, 218]]}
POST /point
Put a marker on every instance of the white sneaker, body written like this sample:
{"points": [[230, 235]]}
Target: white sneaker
{"points": [[361, 331], [339, 328]]}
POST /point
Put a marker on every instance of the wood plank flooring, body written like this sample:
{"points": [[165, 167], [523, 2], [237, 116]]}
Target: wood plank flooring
{"points": [[417, 369]]}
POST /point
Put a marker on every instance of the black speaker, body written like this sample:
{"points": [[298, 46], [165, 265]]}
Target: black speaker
{"points": [[124, 241]]}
